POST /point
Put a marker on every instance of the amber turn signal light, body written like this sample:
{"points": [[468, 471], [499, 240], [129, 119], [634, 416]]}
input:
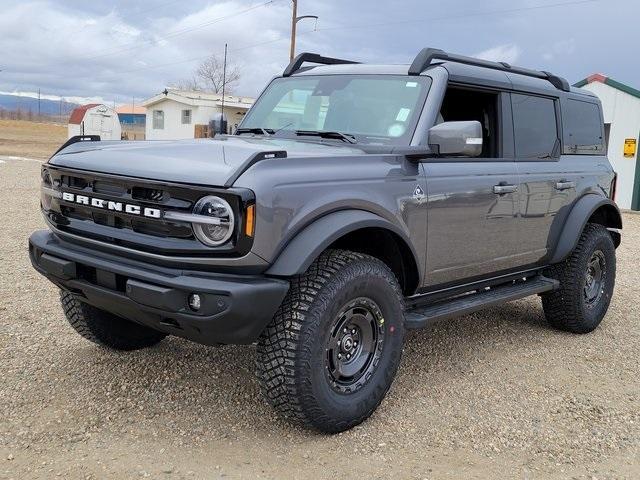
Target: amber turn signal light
{"points": [[250, 224]]}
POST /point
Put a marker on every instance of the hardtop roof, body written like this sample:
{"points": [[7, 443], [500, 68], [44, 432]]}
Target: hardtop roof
{"points": [[460, 73]]}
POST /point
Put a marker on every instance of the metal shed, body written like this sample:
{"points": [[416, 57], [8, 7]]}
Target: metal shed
{"points": [[95, 119], [621, 109]]}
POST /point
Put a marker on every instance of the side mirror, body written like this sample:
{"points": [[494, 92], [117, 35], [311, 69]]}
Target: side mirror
{"points": [[462, 139]]}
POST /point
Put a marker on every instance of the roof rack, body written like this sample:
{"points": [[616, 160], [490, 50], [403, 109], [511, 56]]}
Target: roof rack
{"points": [[297, 62], [428, 55]]}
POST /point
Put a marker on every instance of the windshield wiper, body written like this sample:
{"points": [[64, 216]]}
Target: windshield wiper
{"points": [[345, 137], [255, 130]]}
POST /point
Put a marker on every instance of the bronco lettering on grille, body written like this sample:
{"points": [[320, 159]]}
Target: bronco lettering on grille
{"points": [[110, 205]]}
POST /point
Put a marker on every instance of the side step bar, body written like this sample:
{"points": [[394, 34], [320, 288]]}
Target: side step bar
{"points": [[420, 316]]}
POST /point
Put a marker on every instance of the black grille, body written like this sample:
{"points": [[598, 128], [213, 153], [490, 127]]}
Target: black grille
{"points": [[133, 231], [150, 194]]}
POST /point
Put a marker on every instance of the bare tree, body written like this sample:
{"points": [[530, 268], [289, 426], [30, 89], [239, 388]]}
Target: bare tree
{"points": [[187, 84], [210, 73]]}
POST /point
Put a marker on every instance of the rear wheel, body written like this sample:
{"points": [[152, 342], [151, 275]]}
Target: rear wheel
{"points": [[587, 279], [332, 350], [106, 329]]}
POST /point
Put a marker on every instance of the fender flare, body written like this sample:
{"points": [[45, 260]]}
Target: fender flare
{"points": [[577, 220], [313, 239]]}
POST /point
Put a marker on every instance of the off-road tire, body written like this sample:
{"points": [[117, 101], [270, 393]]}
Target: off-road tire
{"points": [[292, 350], [567, 308], [106, 329]]}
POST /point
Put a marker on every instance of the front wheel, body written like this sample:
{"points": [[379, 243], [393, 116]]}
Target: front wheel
{"points": [[333, 348], [587, 278], [106, 329]]}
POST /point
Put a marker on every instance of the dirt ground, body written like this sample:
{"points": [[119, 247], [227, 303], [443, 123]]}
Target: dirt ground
{"points": [[20, 138], [495, 394]]}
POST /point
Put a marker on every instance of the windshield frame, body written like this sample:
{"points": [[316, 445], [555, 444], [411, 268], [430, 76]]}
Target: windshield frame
{"points": [[405, 139]]}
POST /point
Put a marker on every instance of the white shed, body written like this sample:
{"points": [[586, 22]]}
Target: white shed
{"points": [[174, 114], [621, 108], [95, 119]]}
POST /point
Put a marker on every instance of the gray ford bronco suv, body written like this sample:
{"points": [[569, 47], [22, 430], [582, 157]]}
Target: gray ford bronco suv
{"points": [[354, 202]]}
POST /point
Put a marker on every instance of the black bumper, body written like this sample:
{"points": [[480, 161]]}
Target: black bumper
{"points": [[234, 308]]}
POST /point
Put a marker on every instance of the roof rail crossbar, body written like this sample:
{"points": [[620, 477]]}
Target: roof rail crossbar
{"points": [[297, 62], [428, 55]]}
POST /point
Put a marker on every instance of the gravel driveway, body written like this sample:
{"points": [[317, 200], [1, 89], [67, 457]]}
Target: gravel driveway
{"points": [[496, 394]]}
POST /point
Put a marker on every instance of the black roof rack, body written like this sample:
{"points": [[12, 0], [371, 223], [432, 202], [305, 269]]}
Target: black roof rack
{"points": [[297, 62], [428, 55]]}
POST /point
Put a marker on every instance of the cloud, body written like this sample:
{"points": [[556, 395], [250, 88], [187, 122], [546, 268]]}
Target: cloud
{"points": [[72, 53], [509, 53], [561, 48], [122, 49]]}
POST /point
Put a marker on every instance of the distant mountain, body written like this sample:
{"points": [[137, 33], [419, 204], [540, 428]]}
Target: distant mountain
{"points": [[47, 107]]}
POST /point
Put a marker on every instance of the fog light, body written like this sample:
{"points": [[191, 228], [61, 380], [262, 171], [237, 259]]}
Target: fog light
{"points": [[194, 302]]}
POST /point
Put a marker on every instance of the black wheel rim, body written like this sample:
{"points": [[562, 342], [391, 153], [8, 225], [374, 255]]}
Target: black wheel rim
{"points": [[595, 278], [355, 345]]}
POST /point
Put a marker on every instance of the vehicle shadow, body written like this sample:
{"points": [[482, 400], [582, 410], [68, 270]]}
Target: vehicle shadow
{"points": [[211, 392]]}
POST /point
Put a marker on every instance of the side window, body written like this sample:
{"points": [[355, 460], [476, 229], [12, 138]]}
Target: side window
{"points": [[582, 128], [186, 117], [158, 120], [462, 104], [535, 126]]}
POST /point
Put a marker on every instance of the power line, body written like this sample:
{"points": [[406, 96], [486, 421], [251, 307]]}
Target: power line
{"points": [[176, 33], [375, 25], [202, 57], [135, 15], [458, 16]]}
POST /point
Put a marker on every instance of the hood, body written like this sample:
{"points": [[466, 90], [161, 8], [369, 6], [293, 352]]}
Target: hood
{"points": [[213, 162]]}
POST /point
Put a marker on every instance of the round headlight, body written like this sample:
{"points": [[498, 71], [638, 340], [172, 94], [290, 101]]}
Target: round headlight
{"points": [[218, 227]]}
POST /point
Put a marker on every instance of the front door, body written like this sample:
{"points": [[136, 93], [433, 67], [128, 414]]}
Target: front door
{"points": [[472, 217], [472, 227]]}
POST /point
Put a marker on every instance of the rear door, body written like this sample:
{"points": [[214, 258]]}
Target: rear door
{"points": [[547, 183], [473, 202]]}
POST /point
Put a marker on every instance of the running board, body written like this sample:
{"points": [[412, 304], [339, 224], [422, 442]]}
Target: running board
{"points": [[420, 316]]}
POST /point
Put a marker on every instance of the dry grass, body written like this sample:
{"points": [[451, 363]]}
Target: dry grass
{"points": [[30, 139]]}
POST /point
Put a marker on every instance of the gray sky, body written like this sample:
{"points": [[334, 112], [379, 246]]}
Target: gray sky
{"points": [[119, 49]]}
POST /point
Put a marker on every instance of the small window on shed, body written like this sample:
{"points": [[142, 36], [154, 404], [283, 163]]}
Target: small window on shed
{"points": [[535, 126], [158, 120], [582, 128], [186, 117]]}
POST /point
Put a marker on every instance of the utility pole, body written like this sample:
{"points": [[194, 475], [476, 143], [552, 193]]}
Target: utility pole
{"points": [[294, 22], [38, 103], [223, 123]]}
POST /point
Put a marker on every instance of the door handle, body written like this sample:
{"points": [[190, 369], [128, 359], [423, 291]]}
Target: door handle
{"points": [[564, 185], [502, 189]]}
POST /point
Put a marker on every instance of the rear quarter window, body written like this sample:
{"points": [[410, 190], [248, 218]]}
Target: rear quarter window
{"points": [[582, 128]]}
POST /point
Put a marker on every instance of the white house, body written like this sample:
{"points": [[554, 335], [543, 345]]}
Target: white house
{"points": [[95, 119], [621, 108], [174, 114]]}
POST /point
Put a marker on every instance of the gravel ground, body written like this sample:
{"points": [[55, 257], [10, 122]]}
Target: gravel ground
{"points": [[492, 395]]}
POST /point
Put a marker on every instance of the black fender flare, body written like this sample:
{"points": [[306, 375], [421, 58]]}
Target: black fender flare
{"points": [[313, 239], [577, 220]]}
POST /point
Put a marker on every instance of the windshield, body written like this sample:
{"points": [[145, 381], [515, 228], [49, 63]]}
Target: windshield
{"points": [[376, 109]]}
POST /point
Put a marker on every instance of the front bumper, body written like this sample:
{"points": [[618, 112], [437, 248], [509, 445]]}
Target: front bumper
{"points": [[235, 309]]}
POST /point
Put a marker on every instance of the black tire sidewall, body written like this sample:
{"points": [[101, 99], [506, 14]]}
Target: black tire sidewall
{"points": [[346, 286], [594, 315]]}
